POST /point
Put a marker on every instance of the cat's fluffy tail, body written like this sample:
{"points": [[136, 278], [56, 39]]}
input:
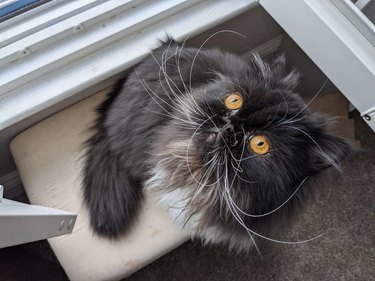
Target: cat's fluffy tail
{"points": [[112, 197]]}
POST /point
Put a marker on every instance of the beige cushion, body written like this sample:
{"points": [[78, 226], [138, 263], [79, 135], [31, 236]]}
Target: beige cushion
{"points": [[49, 159]]}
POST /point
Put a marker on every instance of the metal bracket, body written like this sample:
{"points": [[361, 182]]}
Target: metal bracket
{"points": [[1, 193], [369, 115], [369, 111], [22, 223]]}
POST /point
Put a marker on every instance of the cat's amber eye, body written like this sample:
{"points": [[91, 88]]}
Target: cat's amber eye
{"points": [[259, 144], [233, 101]]}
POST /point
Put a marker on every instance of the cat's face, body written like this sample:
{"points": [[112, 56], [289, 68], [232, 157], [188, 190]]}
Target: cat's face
{"points": [[241, 148]]}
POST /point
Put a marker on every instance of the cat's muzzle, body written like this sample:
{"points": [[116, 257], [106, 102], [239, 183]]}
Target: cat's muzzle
{"points": [[229, 134]]}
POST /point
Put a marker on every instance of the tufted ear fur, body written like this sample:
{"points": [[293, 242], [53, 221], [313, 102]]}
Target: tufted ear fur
{"points": [[288, 80], [291, 81], [278, 66]]}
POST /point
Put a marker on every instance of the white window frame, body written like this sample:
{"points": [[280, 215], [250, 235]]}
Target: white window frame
{"points": [[353, 13], [335, 44], [46, 58]]}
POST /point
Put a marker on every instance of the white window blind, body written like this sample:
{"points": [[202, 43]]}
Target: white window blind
{"points": [[54, 51]]}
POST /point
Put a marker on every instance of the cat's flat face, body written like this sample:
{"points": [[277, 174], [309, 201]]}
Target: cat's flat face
{"points": [[241, 145]]}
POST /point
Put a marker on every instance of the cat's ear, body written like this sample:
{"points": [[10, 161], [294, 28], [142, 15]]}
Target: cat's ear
{"points": [[328, 151], [291, 80], [278, 66], [279, 71], [167, 41]]}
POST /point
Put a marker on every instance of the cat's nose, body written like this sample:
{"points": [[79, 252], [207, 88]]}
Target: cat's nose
{"points": [[228, 128], [230, 134]]}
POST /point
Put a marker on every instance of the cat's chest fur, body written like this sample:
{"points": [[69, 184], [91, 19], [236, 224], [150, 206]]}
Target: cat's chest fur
{"points": [[176, 202]]}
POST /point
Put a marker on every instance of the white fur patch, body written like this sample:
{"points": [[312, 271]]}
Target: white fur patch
{"points": [[175, 202]]}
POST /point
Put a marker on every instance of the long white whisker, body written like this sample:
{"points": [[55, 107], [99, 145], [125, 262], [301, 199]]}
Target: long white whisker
{"points": [[153, 95], [319, 91], [274, 210], [194, 106], [235, 214], [180, 122], [199, 49], [188, 148], [329, 159], [188, 108], [181, 102], [222, 137], [275, 240]]}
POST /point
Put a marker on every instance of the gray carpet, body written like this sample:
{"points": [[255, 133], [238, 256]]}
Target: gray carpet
{"points": [[343, 209]]}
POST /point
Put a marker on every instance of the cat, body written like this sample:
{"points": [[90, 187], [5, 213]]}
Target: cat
{"points": [[225, 144]]}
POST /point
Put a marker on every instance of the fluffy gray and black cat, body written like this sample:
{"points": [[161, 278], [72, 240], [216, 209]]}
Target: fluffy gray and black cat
{"points": [[225, 144]]}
